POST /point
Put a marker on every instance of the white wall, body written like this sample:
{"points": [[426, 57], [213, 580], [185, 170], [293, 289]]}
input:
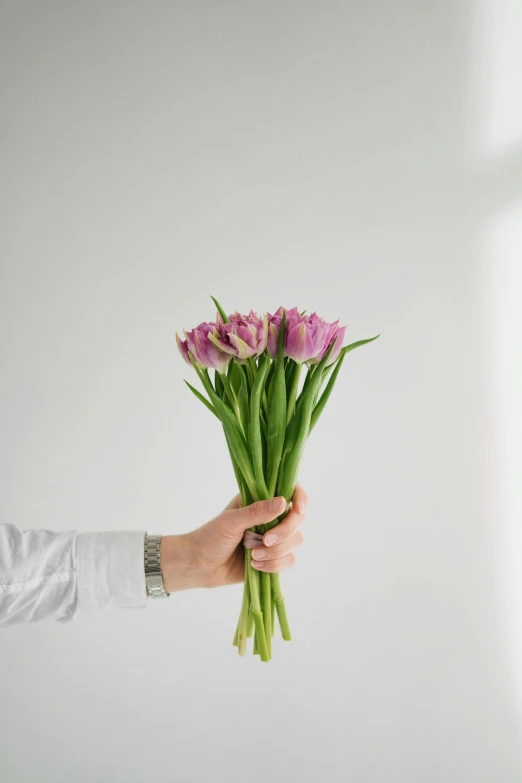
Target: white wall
{"points": [[361, 159]]}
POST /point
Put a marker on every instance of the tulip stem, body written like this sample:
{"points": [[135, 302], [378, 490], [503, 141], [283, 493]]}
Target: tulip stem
{"points": [[280, 607], [267, 609], [293, 392], [242, 631], [250, 625], [256, 609]]}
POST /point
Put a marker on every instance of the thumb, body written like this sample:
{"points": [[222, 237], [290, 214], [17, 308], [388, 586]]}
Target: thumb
{"points": [[258, 513]]}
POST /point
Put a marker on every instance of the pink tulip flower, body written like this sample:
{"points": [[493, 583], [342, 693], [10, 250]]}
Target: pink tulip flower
{"points": [[244, 337], [203, 350]]}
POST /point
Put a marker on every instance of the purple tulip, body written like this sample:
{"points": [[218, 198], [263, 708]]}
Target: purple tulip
{"points": [[199, 344], [305, 338], [274, 325], [334, 331], [244, 337]]}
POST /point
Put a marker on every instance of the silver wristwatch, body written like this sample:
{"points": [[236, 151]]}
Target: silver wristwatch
{"points": [[153, 577]]}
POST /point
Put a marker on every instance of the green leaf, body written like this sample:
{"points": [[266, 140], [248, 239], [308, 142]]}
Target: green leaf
{"points": [[239, 478], [287, 479], [242, 399], [256, 443], [306, 384], [220, 310], [202, 399], [234, 376], [277, 414], [235, 437], [289, 374], [353, 346], [220, 389], [292, 433], [320, 406], [238, 444]]}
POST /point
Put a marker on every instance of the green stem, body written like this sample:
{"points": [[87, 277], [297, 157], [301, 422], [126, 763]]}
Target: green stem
{"points": [[245, 609], [267, 609], [280, 607], [293, 393], [256, 609], [250, 625]]}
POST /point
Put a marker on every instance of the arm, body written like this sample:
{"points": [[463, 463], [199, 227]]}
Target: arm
{"points": [[46, 574], [51, 575]]}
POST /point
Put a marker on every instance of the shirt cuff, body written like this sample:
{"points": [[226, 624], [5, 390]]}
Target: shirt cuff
{"points": [[111, 570]]}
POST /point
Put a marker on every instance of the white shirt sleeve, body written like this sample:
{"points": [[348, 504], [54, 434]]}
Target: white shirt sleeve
{"points": [[51, 575]]}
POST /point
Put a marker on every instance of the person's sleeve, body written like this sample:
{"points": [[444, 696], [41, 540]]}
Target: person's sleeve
{"points": [[52, 575]]}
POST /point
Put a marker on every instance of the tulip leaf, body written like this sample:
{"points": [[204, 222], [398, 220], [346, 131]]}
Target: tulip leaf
{"points": [[288, 477], [239, 477], [233, 431], [220, 388], [289, 375], [306, 383], [353, 346], [292, 433], [242, 399], [256, 443], [268, 383], [319, 407], [238, 444], [234, 376], [277, 413], [202, 399], [220, 310]]}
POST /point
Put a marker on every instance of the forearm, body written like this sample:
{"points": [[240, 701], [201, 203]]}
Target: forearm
{"points": [[180, 568]]}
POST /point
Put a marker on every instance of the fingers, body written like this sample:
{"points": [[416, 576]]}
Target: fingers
{"points": [[275, 566], [288, 527], [262, 555], [299, 500], [259, 513], [279, 543]]}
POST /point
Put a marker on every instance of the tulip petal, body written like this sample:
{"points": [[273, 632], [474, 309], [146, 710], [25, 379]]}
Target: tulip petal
{"points": [[243, 350], [183, 348], [298, 344], [221, 344]]}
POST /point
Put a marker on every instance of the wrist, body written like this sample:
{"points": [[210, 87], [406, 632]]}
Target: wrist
{"points": [[178, 564]]}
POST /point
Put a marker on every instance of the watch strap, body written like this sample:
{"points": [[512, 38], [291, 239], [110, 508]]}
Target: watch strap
{"points": [[153, 576]]}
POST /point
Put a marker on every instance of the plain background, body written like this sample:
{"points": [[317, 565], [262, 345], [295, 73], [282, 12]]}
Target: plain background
{"points": [[360, 159]]}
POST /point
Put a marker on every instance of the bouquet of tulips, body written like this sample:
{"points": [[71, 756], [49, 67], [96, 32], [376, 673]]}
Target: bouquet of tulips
{"points": [[268, 410]]}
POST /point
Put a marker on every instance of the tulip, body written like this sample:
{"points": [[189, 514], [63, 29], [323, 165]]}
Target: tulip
{"points": [[203, 350], [244, 336], [274, 324], [334, 332], [305, 339]]}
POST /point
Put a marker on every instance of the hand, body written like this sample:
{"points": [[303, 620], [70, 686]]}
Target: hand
{"points": [[213, 555]]}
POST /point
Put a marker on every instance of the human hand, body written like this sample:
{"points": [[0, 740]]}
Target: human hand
{"points": [[213, 555]]}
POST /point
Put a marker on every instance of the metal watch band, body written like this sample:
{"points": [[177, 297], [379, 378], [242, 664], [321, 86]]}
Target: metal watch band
{"points": [[153, 577]]}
